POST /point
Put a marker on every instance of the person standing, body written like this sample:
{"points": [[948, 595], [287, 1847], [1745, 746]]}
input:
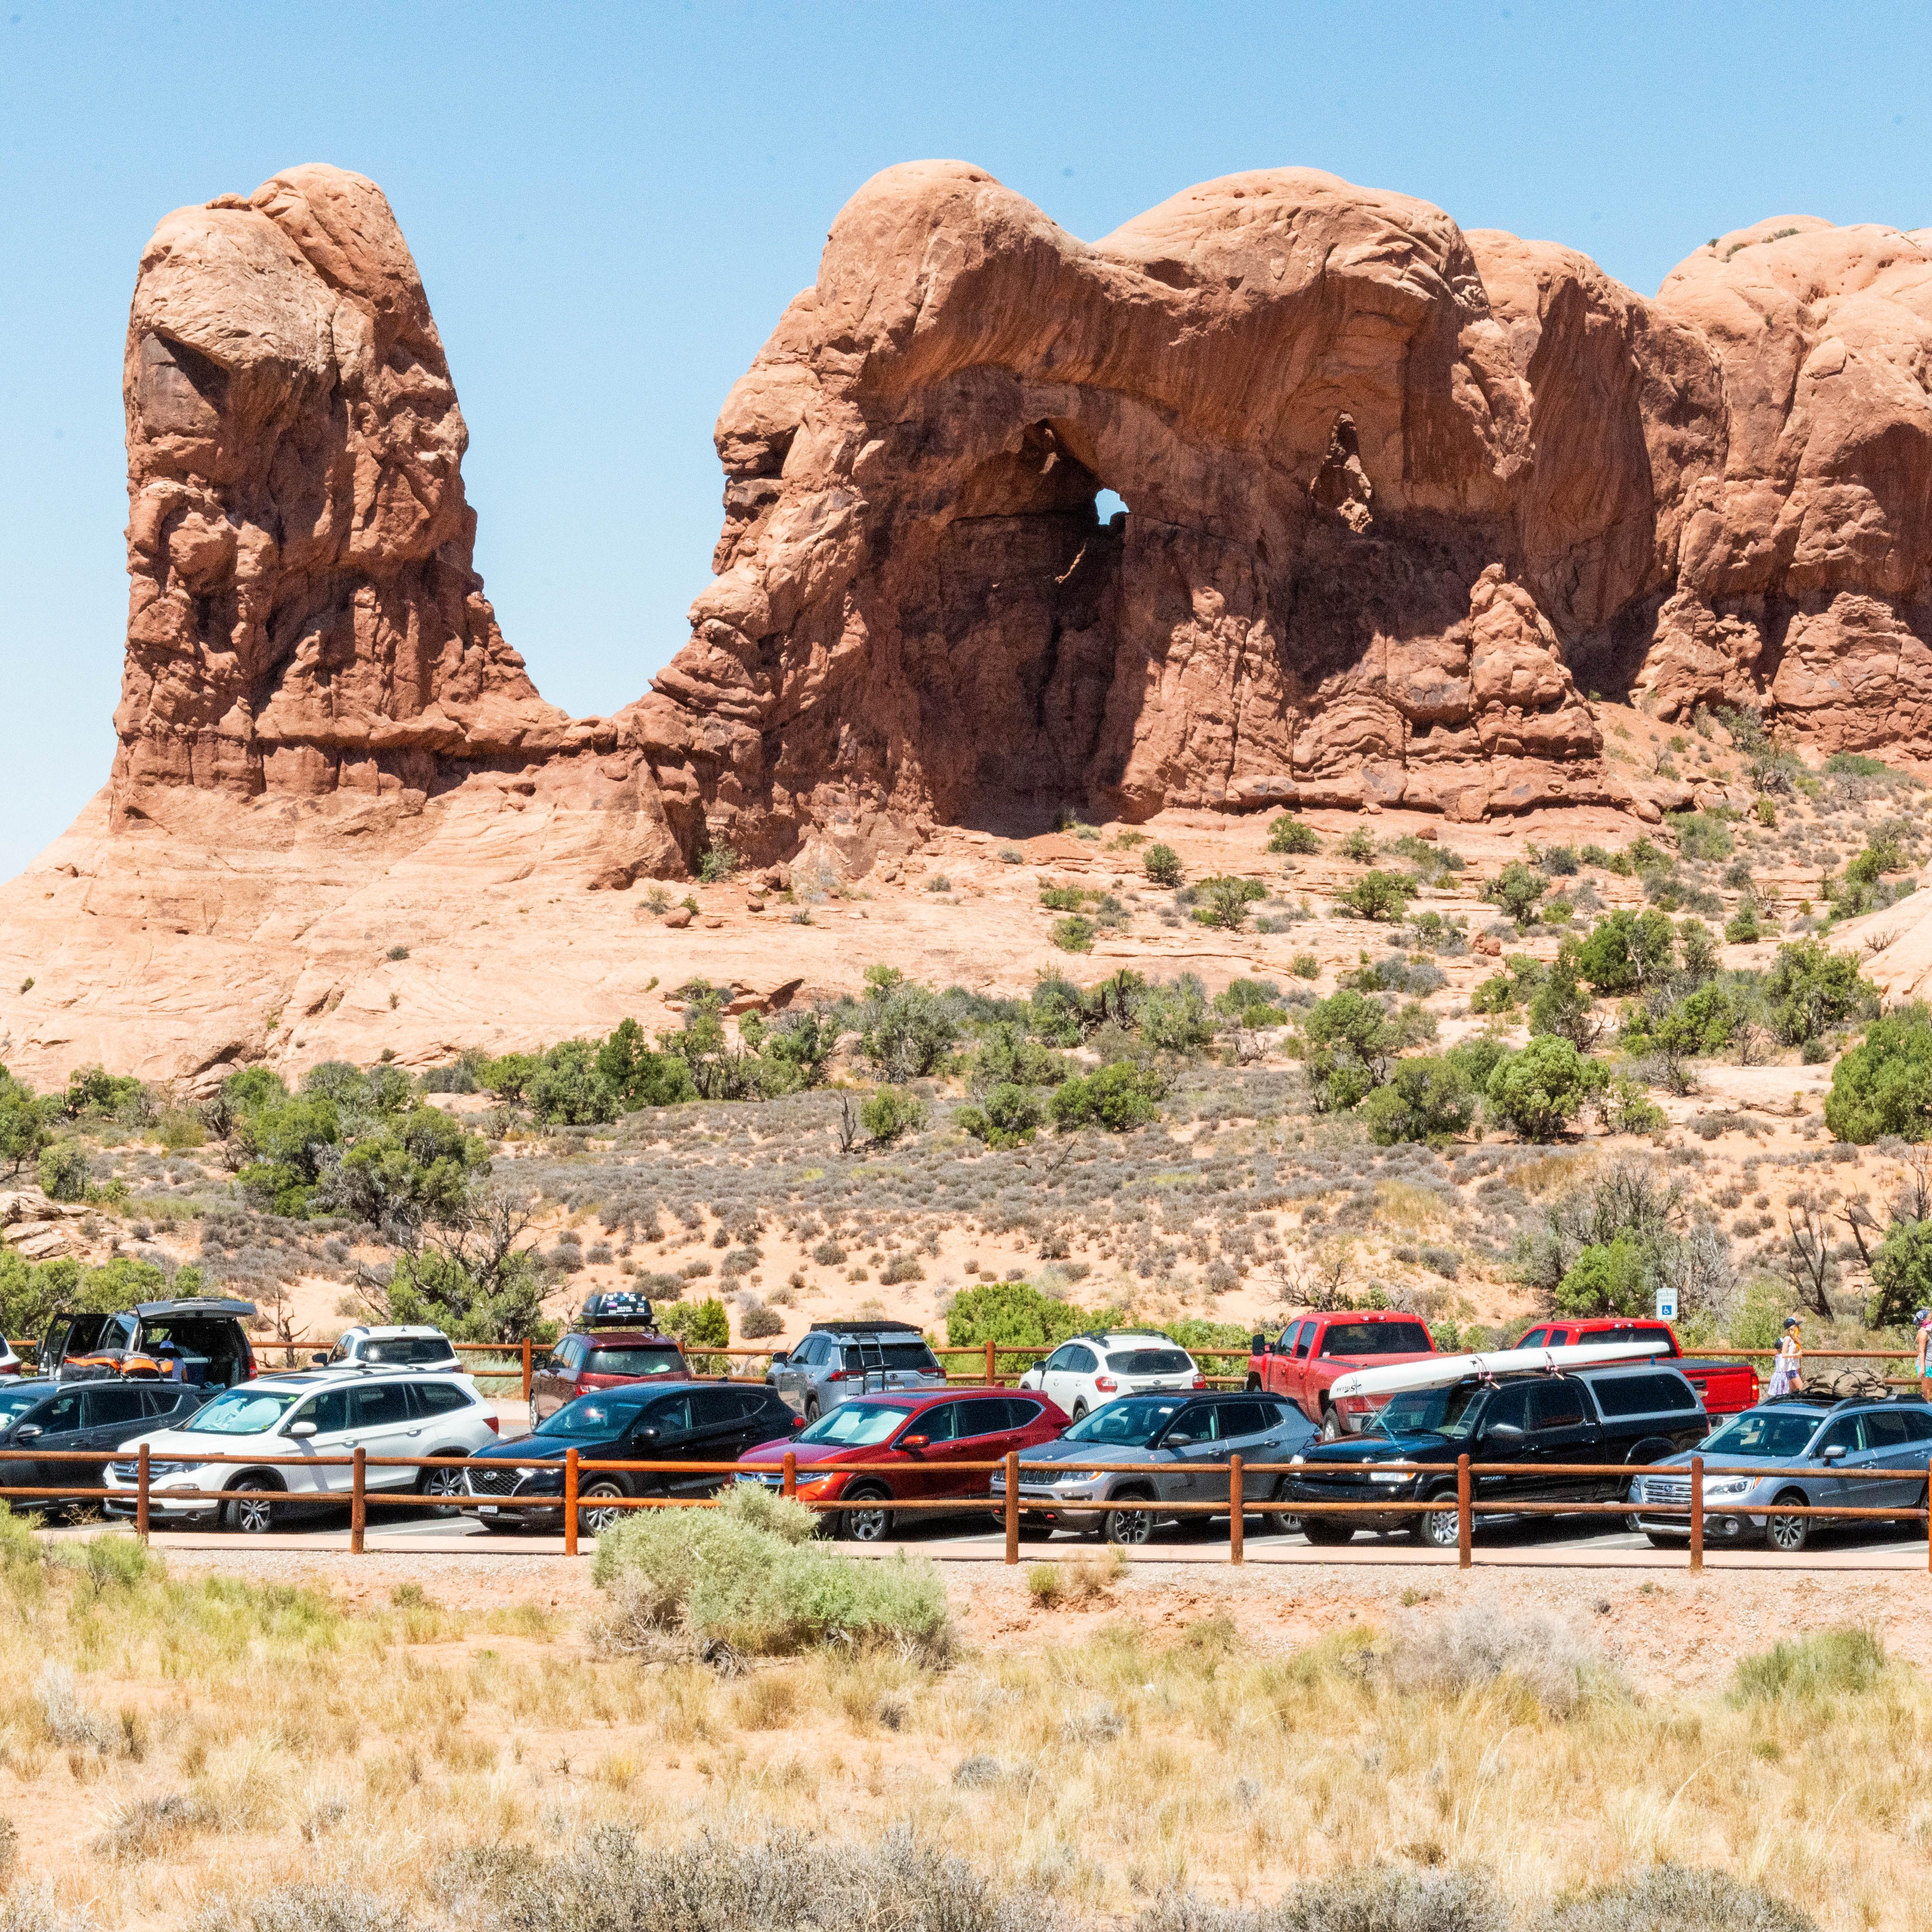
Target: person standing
{"points": [[1922, 1321], [1788, 1375]]}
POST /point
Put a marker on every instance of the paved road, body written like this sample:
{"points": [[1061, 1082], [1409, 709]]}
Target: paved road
{"points": [[1549, 1543]]}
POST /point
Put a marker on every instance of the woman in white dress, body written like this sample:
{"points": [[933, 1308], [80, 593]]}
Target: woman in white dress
{"points": [[1788, 1374]]}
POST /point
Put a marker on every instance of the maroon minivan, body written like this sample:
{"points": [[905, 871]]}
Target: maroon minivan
{"points": [[873, 1450]]}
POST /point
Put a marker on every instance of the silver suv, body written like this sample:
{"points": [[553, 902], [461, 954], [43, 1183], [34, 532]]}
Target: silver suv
{"points": [[838, 1360], [1794, 1450]]}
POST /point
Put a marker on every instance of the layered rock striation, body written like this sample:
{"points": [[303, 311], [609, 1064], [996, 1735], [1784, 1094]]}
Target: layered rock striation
{"points": [[1396, 498]]}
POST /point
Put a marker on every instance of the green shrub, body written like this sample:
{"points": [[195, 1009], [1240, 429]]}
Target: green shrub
{"points": [[1175, 1019], [717, 864], [1628, 951], [1062, 899], [1561, 1005], [63, 1171], [1811, 988], [1013, 1314], [1856, 765], [1516, 888], [1072, 934], [1424, 1099], [1376, 896], [1226, 900], [1119, 1098], [1347, 1041], [1884, 1085], [1765, 813], [1742, 929], [1836, 1663], [1161, 864], [890, 1114], [1701, 834], [751, 1574], [1358, 846], [1609, 1278], [1676, 1898], [1540, 1090], [905, 1030], [1008, 1118], [1901, 1273], [509, 1074], [1306, 967], [1290, 834], [699, 1325]]}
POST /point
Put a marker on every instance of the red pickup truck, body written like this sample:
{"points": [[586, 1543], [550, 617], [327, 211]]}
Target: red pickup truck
{"points": [[1727, 1387], [1305, 1360]]}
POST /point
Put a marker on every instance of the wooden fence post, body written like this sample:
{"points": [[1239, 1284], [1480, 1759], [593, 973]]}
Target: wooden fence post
{"points": [[570, 1503], [1237, 1522], [1464, 1516], [357, 1500], [989, 1363], [1697, 1513], [1012, 1502], [529, 1367], [141, 1492], [790, 1484]]}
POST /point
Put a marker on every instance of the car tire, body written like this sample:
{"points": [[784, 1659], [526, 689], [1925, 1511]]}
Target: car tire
{"points": [[1658, 1541], [810, 1410], [1032, 1530], [590, 1517], [250, 1519], [870, 1521], [1332, 1430], [1079, 1412], [1130, 1529], [1788, 1534], [437, 1485], [1328, 1532], [1439, 1529], [1252, 1384]]}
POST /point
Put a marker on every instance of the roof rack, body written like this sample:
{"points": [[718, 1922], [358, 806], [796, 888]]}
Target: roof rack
{"points": [[616, 1308], [867, 1327]]}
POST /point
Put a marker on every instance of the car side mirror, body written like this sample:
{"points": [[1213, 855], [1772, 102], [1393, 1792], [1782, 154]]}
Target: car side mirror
{"points": [[646, 1436], [913, 1442], [779, 1357], [1502, 1432], [301, 1431], [318, 1361], [1836, 1453], [31, 1433], [1258, 1345]]}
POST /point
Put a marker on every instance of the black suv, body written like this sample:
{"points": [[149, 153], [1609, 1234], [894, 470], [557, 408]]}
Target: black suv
{"points": [[1636, 1415], [198, 1340], [694, 1422], [56, 1419]]}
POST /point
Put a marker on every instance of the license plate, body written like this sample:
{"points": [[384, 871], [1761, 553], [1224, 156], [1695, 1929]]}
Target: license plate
{"points": [[486, 1509]]}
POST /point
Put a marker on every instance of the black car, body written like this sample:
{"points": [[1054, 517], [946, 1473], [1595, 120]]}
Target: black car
{"points": [[1636, 1414], [56, 1419], [694, 1422]]}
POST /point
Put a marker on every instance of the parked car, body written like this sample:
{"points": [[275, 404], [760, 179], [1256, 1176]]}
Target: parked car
{"points": [[10, 1364], [696, 1423], [198, 1340], [1178, 1437], [874, 1451], [1082, 1373], [61, 1421], [1304, 1361], [1796, 1450], [1621, 1414], [293, 1418], [1726, 1388], [390, 1345], [585, 1361], [838, 1360]]}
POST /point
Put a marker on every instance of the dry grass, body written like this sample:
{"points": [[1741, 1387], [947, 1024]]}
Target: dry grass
{"points": [[270, 1735]]}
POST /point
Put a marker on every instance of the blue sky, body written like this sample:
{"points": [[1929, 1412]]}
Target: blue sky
{"points": [[610, 205]]}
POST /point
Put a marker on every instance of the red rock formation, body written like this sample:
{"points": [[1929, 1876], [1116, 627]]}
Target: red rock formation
{"points": [[1398, 498]]}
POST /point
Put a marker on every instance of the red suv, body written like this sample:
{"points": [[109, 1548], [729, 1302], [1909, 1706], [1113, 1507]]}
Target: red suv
{"points": [[593, 1357], [875, 1449]]}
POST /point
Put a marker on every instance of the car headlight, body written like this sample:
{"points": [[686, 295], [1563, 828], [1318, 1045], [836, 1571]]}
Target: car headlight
{"points": [[1067, 1476], [524, 1475], [1731, 1486], [1392, 1477], [1297, 1462]]}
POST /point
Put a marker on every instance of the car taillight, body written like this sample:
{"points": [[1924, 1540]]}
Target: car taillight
{"points": [[1200, 1381], [835, 1375], [1105, 1382], [492, 1421], [1356, 1405]]}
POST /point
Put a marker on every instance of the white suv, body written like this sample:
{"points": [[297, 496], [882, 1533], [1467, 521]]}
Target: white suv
{"points": [[1089, 1370], [390, 1346], [287, 1420]]}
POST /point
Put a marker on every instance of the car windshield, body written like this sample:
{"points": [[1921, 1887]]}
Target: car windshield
{"points": [[857, 1425], [1136, 1420], [1443, 1412], [1150, 1362], [244, 1412], [13, 1401], [1763, 1432], [588, 1415], [1376, 1338], [634, 1362], [406, 1350]]}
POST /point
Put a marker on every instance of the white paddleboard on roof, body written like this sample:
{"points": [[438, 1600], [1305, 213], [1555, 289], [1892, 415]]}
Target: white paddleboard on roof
{"points": [[1429, 1372]]}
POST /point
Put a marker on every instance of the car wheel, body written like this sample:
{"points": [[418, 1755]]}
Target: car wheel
{"points": [[1252, 1384], [1032, 1530], [250, 1517], [1328, 1531], [1129, 1528], [1331, 1427], [589, 1516], [870, 1523], [1658, 1541], [1789, 1534], [440, 1486], [1439, 1529], [1079, 1411], [810, 1410]]}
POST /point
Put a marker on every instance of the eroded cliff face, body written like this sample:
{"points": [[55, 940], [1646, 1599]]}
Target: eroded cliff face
{"points": [[1397, 499]]}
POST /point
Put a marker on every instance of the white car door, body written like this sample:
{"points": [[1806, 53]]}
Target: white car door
{"points": [[327, 1414], [1052, 1374], [379, 1422], [1074, 1389]]}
